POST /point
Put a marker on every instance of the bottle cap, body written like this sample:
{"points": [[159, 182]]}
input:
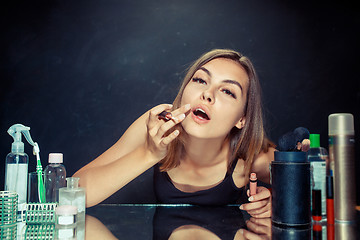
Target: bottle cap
{"points": [[341, 124], [66, 210], [314, 140], [253, 176], [55, 158]]}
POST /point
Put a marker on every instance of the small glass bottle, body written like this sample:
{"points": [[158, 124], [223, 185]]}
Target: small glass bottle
{"points": [[73, 195], [55, 177]]}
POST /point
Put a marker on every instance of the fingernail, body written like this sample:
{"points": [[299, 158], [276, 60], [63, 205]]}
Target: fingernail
{"points": [[176, 132], [251, 198], [187, 106], [241, 207], [181, 117]]}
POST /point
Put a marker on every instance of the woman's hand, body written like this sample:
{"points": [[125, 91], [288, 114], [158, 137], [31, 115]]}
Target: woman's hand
{"points": [[159, 137], [258, 229], [260, 203]]}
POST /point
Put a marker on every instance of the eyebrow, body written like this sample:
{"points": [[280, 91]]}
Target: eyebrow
{"points": [[225, 81]]}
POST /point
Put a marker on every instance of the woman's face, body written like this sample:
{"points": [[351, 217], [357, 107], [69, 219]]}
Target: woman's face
{"points": [[217, 94]]}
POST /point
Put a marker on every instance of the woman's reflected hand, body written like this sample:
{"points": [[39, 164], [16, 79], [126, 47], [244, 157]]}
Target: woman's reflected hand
{"points": [[258, 229]]}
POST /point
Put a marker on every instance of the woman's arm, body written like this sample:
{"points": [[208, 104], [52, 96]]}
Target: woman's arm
{"points": [[261, 165], [260, 203], [141, 146], [117, 166]]}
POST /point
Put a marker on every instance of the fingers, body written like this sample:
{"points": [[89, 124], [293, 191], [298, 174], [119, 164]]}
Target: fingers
{"points": [[154, 112], [260, 226], [261, 193], [159, 129], [183, 109], [260, 204]]}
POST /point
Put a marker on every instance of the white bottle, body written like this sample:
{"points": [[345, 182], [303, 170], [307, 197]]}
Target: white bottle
{"points": [[55, 177], [73, 195]]}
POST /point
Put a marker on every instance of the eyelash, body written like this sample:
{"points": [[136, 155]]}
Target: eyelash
{"points": [[226, 91], [199, 80]]}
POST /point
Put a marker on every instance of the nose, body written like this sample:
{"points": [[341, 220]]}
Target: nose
{"points": [[208, 96]]}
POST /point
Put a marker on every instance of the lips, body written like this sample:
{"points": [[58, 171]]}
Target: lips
{"points": [[200, 115]]}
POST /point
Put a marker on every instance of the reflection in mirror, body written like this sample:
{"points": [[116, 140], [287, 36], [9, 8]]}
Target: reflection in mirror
{"points": [[345, 231], [195, 222], [95, 229], [290, 233]]}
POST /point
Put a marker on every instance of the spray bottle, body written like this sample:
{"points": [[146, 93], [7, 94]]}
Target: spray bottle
{"points": [[16, 165]]}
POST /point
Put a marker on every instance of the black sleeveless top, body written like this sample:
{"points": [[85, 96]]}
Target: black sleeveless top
{"points": [[226, 192]]}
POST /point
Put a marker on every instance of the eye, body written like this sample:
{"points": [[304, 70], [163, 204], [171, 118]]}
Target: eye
{"points": [[228, 92], [199, 80]]}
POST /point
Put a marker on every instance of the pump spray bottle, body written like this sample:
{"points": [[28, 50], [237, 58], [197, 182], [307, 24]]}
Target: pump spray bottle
{"points": [[16, 165]]}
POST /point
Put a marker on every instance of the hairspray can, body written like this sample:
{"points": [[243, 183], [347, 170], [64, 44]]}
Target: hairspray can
{"points": [[342, 160]]}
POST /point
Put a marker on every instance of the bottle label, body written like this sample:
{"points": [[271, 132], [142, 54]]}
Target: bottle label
{"points": [[319, 181]]}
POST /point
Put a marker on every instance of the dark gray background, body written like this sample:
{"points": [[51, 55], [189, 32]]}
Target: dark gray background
{"points": [[80, 72]]}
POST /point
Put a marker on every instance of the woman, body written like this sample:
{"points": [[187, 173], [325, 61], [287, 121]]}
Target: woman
{"points": [[205, 153]]}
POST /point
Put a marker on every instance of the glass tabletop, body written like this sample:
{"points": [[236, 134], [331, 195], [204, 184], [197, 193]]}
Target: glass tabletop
{"points": [[148, 221], [153, 221]]}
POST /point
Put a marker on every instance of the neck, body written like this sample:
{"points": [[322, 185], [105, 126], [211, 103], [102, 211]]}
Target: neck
{"points": [[205, 152]]}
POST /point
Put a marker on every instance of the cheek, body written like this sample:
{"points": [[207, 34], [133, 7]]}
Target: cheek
{"points": [[188, 94], [230, 114]]}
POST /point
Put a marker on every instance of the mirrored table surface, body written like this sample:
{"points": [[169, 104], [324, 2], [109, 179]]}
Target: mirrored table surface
{"points": [[148, 221], [151, 221]]}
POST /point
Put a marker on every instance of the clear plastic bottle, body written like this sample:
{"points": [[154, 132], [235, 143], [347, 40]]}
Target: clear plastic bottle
{"points": [[318, 158], [73, 195], [16, 166], [55, 177]]}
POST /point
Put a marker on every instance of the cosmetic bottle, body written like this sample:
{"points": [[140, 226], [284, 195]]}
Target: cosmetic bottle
{"points": [[73, 195], [342, 157], [55, 177], [317, 156], [16, 167], [290, 182]]}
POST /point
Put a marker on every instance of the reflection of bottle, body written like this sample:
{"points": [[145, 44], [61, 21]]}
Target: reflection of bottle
{"points": [[317, 156], [73, 195], [55, 177], [342, 154]]}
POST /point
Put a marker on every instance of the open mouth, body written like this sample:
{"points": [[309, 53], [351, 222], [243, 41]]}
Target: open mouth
{"points": [[198, 112]]}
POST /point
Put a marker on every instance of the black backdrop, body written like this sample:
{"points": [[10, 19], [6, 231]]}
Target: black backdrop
{"points": [[79, 72]]}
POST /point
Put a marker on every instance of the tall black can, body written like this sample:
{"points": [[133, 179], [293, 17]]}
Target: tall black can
{"points": [[290, 180]]}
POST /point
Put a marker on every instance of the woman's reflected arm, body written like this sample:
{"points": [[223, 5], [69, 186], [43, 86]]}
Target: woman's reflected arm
{"points": [[94, 229]]}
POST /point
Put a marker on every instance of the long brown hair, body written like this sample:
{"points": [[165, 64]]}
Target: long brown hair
{"points": [[245, 143]]}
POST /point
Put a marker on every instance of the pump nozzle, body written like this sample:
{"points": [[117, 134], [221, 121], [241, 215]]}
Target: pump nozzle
{"points": [[15, 132]]}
